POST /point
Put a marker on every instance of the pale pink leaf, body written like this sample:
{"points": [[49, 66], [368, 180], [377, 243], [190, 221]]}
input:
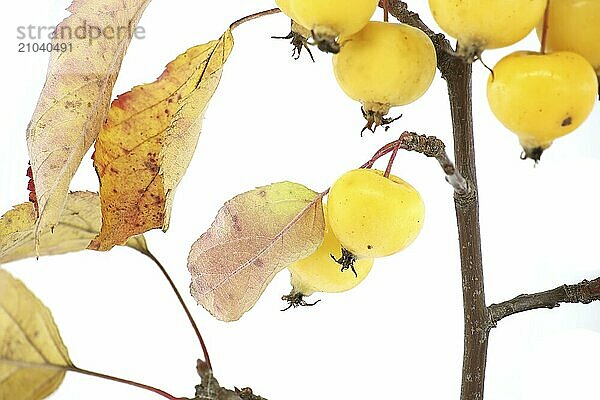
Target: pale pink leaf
{"points": [[253, 237]]}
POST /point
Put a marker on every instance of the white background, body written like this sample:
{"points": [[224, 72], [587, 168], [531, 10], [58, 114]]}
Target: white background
{"points": [[399, 334]]}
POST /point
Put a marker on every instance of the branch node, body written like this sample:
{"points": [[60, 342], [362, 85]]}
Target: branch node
{"points": [[209, 388], [430, 146]]}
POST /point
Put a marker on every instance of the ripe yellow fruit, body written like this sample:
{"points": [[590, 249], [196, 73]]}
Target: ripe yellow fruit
{"points": [[320, 273], [574, 25], [374, 216], [328, 19], [541, 97], [385, 65], [486, 24]]}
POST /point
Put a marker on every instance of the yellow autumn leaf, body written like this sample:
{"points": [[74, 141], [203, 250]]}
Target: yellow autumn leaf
{"points": [[149, 139], [253, 237], [76, 96], [78, 225], [30, 345]]}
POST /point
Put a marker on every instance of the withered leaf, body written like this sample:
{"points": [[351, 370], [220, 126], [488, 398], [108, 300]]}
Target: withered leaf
{"points": [[76, 96], [253, 237], [30, 345], [77, 226], [148, 142]]}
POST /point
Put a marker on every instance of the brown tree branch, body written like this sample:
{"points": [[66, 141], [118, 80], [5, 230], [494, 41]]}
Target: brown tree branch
{"points": [[458, 75], [584, 292], [467, 215]]}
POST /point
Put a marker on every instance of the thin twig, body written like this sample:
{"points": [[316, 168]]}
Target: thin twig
{"points": [[431, 146], [584, 292], [183, 305], [254, 16]]}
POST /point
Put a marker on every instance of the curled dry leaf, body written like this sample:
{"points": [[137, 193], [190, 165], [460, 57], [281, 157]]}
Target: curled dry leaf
{"points": [[148, 142], [75, 98], [253, 237], [31, 349], [78, 225]]}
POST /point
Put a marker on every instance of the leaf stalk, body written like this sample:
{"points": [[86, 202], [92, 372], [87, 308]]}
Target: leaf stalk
{"points": [[151, 256]]}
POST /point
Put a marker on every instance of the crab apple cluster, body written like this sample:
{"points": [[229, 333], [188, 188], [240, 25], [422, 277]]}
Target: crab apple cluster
{"points": [[540, 96], [368, 215], [379, 64]]}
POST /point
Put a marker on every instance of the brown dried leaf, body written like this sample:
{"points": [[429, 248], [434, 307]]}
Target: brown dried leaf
{"points": [[31, 348], [75, 98], [148, 142], [253, 237], [77, 226]]}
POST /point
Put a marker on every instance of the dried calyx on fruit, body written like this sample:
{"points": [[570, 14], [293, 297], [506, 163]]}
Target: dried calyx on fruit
{"points": [[327, 20], [298, 37], [320, 272], [383, 66]]}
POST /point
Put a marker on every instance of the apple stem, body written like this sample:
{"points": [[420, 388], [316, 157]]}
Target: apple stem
{"points": [[380, 153], [545, 28], [429, 146], [386, 13], [388, 169], [253, 17]]}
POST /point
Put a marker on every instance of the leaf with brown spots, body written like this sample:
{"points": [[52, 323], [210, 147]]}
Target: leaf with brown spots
{"points": [[77, 226], [254, 236], [31, 349], [148, 142], [76, 96]]}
